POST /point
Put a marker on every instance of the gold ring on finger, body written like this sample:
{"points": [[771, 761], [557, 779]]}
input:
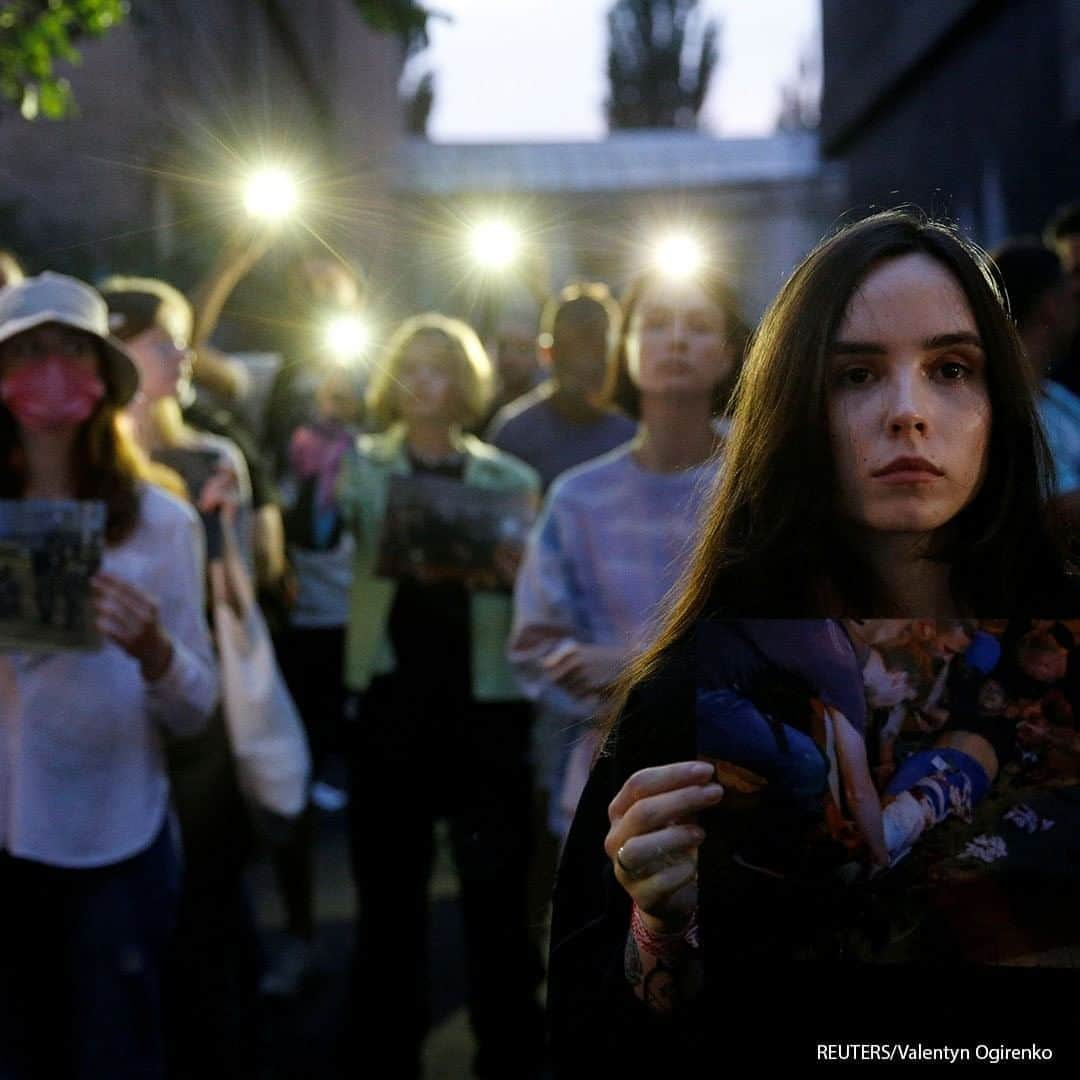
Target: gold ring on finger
{"points": [[629, 871]]}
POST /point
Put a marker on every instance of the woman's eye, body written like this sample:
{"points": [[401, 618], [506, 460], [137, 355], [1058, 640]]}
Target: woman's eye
{"points": [[855, 376], [953, 371]]}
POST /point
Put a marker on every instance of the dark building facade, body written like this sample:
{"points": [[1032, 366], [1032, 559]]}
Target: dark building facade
{"points": [[969, 108], [171, 103]]}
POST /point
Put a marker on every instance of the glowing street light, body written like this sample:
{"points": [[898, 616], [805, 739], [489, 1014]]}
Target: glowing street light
{"points": [[679, 255], [271, 194], [347, 337], [494, 244]]}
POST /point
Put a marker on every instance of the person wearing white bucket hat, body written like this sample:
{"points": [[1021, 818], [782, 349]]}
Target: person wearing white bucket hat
{"points": [[87, 868], [57, 301]]}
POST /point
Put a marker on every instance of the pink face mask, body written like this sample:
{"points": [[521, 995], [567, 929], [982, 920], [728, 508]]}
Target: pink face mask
{"points": [[53, 392]]}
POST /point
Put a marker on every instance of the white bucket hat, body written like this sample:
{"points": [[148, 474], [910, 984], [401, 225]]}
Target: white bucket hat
{"points": [[57, 298]]}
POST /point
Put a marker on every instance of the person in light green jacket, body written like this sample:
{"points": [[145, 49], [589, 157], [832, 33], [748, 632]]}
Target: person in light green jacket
{"points": [[441, 728]]}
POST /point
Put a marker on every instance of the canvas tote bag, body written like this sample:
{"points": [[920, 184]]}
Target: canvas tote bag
{"points": [[273, 762]]}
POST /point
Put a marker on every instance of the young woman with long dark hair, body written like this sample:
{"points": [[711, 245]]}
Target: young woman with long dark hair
{"points": [[884, 459]]}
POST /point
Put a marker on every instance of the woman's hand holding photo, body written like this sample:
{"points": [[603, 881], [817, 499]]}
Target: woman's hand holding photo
{"points": [[654, 839], [128, 617]]}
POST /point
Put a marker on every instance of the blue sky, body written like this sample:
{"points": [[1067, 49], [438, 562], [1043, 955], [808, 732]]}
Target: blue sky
{"points": [[521, 70]]}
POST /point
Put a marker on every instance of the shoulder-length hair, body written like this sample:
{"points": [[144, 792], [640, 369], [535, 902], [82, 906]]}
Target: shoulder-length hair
{"points": [[772, 544], [105, 464], [473, 375], [621, 390]]}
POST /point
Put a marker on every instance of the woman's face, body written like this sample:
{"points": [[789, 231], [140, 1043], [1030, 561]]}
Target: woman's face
{"points": [[427, 382], [908, 406], [51, 378], [677, 343], [163, 360]]}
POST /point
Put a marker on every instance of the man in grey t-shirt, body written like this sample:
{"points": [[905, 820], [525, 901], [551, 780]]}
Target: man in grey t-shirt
{"points": [[564, 421]]}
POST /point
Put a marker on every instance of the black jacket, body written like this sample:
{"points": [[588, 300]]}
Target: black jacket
{"points": [[785, 966]]}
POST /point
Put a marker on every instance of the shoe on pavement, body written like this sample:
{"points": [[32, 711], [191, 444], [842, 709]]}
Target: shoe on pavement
{"points": [[327, 797], [292, 967]]}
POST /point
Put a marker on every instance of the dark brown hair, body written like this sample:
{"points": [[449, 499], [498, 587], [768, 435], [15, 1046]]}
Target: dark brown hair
{"points": [[772, 543], [621, 390]]}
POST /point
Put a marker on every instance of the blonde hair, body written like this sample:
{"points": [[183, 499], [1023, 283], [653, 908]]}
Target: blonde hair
{"points": [[137, 304], [473, 375]]}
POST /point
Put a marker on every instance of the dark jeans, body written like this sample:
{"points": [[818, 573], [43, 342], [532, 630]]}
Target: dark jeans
{"points": [[80, 976], [412, 761]]}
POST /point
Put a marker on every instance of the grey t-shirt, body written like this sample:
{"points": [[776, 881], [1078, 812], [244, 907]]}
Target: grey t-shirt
{"points": [[532, 430]]}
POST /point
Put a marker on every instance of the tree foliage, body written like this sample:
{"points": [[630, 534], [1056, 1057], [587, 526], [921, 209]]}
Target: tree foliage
{"points": [[661, 57], [405, 18], [36, 35], [418, 105]]}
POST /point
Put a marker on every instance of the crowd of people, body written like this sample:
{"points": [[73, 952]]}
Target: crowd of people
{"points": [[698, 611]]}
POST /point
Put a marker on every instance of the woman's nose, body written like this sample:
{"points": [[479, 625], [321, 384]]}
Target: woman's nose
{"points": [[907, 421], [678, 331], [906, 410]]}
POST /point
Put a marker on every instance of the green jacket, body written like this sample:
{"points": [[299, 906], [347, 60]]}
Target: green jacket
{"points": [[362, 494]]}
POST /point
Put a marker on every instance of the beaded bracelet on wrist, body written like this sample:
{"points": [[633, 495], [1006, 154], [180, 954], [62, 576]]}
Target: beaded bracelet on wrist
{"points": [[664, 946]]}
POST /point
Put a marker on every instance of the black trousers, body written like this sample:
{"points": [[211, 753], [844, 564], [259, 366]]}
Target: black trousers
{"points": [[311, 660], [415, 757]]}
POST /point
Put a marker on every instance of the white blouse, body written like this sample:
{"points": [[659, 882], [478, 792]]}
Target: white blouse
{"points": [[82, 774]]}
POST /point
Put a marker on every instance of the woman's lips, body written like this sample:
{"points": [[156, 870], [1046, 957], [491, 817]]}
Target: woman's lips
{"points": [[908, 476], [675, 363], [908, 470]]}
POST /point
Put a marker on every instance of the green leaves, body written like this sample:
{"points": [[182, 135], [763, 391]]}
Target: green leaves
{"points": [[36, 35], [393, 16], [405, 18]]}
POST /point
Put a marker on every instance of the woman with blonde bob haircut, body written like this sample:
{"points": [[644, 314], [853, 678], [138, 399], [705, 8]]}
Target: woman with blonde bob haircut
{"points": [[437, 703], [464, 357]]}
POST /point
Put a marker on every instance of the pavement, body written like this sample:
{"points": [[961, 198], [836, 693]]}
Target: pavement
{"points": [[301, 1037]]}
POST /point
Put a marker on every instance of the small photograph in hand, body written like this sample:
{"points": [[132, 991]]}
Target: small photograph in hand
{"points": [[442, 530], [49, 551], [919, 777]]}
